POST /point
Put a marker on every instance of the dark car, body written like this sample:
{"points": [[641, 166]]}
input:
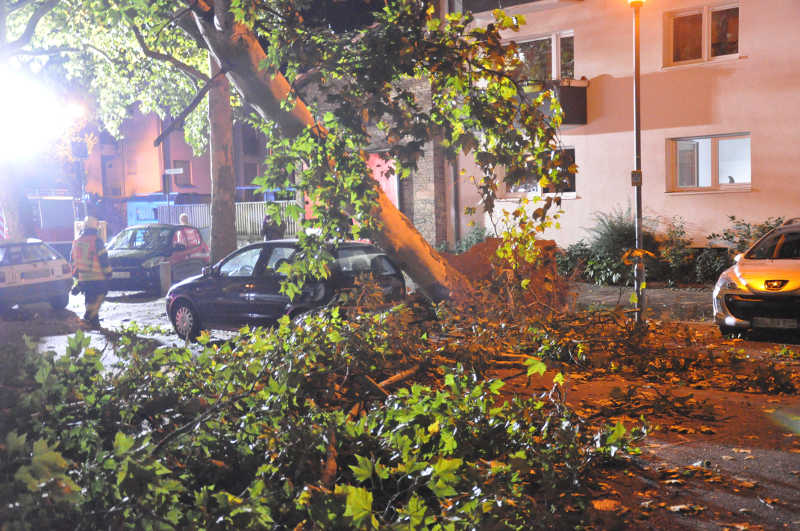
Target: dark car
{"points": [[244, 287], [31, 271], [136, 255]]}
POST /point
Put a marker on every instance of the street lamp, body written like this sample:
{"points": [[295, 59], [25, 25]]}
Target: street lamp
{"points": [[636, 174]]}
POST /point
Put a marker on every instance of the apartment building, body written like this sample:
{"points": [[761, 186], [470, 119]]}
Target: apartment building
{"points": [[720, 109]]}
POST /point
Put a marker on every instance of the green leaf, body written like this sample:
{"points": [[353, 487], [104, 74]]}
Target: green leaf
{"points": [[122, 443], [363, 471], [616, 434], [633, 299], [495, 386], [559, 379], [358, 505], [535, 366]]}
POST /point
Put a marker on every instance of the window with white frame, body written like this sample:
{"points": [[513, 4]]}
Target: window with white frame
{"points": [[701, 34], [566, 176], [549, 57], [710, 162]]}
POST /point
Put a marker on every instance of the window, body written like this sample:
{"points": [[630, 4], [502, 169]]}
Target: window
{"points": [[185, 178], [701, 34], [242, 264], [477, 6], [710, 162], [566, 179], [546, 58]]}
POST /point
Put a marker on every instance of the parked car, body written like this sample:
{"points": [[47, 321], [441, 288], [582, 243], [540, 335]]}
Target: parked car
{"points": [[32, 271], [244, 287], [762, 288], [136, 254]]}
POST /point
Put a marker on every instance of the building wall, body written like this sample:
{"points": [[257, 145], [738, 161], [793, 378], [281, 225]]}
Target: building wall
{"points": [[755, 91]]}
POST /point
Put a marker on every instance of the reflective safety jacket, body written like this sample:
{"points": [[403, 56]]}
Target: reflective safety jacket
{"points": [[89, 257]]}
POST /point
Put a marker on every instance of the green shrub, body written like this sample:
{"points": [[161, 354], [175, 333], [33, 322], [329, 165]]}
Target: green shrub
{"points": [[710, 263], [475, 236], [613, 234], [741, 234], [574, 259], [676, 252]]}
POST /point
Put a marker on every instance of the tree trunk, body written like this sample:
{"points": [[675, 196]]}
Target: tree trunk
{"points": [[265, 91], [12, 198], [223, 182]]}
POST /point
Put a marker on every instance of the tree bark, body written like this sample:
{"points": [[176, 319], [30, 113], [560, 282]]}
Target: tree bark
{"points": [[236, 47], [12, 199], [223, 185]]}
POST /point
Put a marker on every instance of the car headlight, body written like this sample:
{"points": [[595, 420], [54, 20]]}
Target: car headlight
{"points": [[728, 281], [152, 262]]}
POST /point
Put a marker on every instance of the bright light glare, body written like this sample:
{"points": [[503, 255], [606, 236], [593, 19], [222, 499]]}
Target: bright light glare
{"points": [[32, 117]]}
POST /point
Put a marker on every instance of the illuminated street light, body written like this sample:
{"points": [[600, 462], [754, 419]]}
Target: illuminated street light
{"points": [[33, 117], [636, 175]]}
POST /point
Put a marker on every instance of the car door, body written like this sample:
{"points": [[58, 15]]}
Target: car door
{"points": [[189, 255], [227, 304], [266, 302]]}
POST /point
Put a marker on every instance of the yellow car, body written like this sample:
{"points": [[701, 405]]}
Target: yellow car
{"points": [[762, 288]]}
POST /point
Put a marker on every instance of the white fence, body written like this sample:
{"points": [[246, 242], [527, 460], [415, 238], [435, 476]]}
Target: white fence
{"points": [[248, 216]]}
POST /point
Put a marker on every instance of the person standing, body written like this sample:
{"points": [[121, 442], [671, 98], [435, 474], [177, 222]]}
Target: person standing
{"points": [[271, 230], [91, 270]]}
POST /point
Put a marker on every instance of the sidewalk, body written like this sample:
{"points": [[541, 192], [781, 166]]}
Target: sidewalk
{"points": [[681, 304]]}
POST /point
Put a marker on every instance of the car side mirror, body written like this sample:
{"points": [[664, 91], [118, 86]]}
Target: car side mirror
{"points": [[738, 257], [207, 271]]}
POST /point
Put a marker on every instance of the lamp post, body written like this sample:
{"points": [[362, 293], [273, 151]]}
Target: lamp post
{"points": [[636, 175]]}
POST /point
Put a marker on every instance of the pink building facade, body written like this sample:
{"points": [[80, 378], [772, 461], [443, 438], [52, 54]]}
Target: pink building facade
{"points": [[720, 110]]}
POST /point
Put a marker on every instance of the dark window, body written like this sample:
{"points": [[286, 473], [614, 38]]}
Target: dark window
{"points": [[568, 57], [185, 178], [725, 31], [252, 143], [687, 37]]}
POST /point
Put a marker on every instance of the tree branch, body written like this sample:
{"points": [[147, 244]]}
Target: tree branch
{"points": [[178, 121], [30, 28], [190, 71]]}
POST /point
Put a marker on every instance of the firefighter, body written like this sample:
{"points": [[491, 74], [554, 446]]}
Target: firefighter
{"points": [[91, 270]]}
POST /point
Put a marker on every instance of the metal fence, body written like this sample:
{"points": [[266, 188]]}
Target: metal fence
{"points": [[248, 216]]}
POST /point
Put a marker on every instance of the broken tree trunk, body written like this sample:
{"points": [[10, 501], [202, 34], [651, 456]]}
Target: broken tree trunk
{"points": [[237, 49]]}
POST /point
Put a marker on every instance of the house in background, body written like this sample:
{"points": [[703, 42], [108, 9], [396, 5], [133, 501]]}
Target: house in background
{"points": [[720, 109]]}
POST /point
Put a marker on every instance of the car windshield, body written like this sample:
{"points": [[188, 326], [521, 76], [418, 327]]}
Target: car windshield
{"points": [[26, 253], [778, 245], [151, 238]]}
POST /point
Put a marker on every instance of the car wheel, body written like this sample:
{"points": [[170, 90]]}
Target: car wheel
{"points": [[60, 302], [185, 320]]}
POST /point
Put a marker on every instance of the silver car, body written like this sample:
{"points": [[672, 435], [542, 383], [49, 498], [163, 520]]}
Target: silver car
{"points": [[762, 289]]}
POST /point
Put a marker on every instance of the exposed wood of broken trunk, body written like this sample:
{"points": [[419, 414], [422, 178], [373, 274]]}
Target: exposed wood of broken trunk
{"points": [[265, 91]]}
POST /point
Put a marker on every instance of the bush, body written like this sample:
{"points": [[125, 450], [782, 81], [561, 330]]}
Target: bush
{"points": [[676, 252], [741, 234], [600, 261], [475, 236], [573, 260], [710, 263]]}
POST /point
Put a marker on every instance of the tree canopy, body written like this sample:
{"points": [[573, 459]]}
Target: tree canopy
{"points": [[324, 95]]}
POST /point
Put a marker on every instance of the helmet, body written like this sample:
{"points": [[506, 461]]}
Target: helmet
{"points": [[90, 222]]}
